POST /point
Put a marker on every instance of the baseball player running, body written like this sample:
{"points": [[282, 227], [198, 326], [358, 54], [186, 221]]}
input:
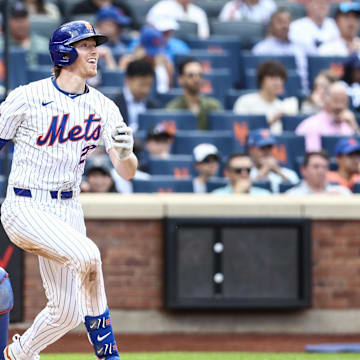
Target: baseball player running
{"points": [[55, 123]]}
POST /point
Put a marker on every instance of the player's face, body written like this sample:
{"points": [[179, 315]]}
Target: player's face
{"points": [[86, 63]]}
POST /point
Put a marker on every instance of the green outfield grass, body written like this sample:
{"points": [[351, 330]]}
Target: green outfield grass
{"points": [[209, 356]]}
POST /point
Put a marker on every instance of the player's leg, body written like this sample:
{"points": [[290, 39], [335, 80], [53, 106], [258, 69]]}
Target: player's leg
{"points": [[59, 242], [6, 304]]}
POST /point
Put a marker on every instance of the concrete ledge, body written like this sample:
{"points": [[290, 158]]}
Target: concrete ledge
{"points": [[157, 206]]}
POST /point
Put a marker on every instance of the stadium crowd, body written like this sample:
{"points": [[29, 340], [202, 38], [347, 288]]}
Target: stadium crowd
{"points": [[239, 96]]}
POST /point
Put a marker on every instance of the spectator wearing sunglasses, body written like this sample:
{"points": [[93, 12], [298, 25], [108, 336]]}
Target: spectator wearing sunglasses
{"points": [[191, 80], [207, 162], [238, 167], [266, 167]]}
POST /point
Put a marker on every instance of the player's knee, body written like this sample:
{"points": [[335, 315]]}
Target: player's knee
{"points": [[6, 293], [93, 265]]}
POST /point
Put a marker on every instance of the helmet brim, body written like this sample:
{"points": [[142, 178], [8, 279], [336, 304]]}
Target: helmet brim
{"points": [[100, 39]]}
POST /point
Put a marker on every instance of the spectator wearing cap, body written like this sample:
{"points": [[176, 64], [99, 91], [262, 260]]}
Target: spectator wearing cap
{"points": [[347, 19], [135, 97], [347, 153], [237, 170], [351, 79], [98, 179], [173, 45], [314, 29], [111, 21], [181, 10], [271, 77], [248, 10], [21, 36], [190, 78], [313, 170], [93, 6], [266, 167], [152, 49], [206, 163], [277, 43], [334, 119]]}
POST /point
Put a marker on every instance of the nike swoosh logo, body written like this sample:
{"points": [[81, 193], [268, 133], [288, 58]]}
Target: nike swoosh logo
{"points": [[46, 103], [101, 338]]}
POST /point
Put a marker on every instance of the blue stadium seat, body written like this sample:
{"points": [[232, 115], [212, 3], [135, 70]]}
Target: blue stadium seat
{"points": [[173, 119], [319, 63], [356, 188], [112, 78], [179, 166], [18, 66], [212, 8], [165, 98], [293, 86], [185, 141], [296, 9], [43, 58], [289, 147], [186, 28], [290, 122], [285, 187], [110, 91], [215, 183], [328, 143], [43, 25], [41, 72], [163, 184], [251, 61], [217, 83]]}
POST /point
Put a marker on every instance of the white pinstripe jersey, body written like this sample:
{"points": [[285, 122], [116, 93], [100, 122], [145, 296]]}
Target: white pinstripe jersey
{"points": [[53, 133]]}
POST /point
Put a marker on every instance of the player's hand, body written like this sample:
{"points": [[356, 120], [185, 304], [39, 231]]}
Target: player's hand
{"points": [[123, 140]]}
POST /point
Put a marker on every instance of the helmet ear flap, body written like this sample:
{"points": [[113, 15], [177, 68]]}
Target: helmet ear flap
{"points": [[63, 55]]}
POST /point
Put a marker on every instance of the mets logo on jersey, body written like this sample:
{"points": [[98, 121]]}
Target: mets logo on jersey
{"points": [[56, 131]]}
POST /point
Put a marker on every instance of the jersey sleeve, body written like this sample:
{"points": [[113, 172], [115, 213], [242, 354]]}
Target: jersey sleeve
{"points": [[113, 120], [12, 112]]}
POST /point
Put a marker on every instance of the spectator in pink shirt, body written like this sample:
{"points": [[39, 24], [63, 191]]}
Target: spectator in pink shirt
{"points": [[334, 119]]}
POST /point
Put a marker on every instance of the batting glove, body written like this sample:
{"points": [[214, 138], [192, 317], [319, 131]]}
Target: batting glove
{"points": [[123, 141]]}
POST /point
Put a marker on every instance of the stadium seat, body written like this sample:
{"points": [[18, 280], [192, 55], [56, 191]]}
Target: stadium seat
{"points": [[289, 147], [185, 141], [179, 166], [139, 9], [112, 78], [163, 184], [215, 183], [43, 25], [186, 28], [44, 59], [296, 9], [285, 187], [249, 33], [165, 98], [356, 188], [110, 91], [290, 122], [174, 119], [38, 73], [211, 7], [91, 18], [293, 86], [217, 83], [17, 66], [319, 63], [328, 143], [251, 61]]}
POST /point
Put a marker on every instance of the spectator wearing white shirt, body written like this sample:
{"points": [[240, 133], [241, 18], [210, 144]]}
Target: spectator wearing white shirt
{"points": [[277, 43], [250, 10], [182, 10], [314, 29], [347, 20]]}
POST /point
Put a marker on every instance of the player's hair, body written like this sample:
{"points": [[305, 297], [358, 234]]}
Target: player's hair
{"points": [[308, 156], [56, 71], [235, 155], [270, 68], [183, 64], [140, 68]]}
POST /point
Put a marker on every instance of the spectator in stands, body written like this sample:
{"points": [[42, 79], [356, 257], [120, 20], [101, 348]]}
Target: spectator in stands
{"points": [[277, 43], [93, 6], [207, 162], [347, 21], [158, 141], [347, 153], [98, 180], [334, 119], [110, 21], [315, 102], [135, 98], [238, 167], [250, 10], [314, 29], [43, 7], [314, 169], [191, 79], [21, 36], [351, 79], [271, 76], [181, 10], [266, 167], [152, 48]]}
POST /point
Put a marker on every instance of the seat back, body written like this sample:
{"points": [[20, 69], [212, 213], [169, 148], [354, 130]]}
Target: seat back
{"points": [[290, 122], [163, 184], [179, 166]]}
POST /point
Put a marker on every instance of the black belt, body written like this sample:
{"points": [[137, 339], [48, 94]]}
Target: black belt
{"points": [[54, 194]]}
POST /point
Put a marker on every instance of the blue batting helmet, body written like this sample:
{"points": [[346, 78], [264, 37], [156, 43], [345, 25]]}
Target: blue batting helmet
{"points": [[61, 51]]}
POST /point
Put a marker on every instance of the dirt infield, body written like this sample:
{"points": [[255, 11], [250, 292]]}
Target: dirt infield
{"points": [[205, 342]]}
